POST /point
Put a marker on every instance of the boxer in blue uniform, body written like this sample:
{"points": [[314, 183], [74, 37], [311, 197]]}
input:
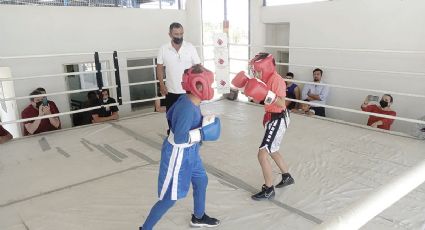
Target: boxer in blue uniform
{"points": [[180, 161]]}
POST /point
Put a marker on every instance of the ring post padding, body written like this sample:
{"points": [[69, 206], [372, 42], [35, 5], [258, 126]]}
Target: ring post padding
{"points": [[117, 77], [99, 78]]}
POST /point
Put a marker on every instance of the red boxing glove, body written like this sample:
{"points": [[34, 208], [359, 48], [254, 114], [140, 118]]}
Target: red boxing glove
{"points": [[240, 80], [259, 91]]}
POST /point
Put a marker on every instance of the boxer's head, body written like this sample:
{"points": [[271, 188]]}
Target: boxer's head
{"points": [[263, 65], [197, 80]]}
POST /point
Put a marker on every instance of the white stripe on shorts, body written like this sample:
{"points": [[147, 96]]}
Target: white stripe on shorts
{"points": [[169, 172], [175, 187], [279, 136]]}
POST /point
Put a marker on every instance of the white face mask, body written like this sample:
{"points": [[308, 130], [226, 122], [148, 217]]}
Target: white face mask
{"points": [[105, 100]]}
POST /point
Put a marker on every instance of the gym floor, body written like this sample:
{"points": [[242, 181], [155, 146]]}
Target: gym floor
{"points": [[104, 177]]}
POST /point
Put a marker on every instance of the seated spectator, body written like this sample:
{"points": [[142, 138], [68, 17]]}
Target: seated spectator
{"points": [[384, 107], [304, 109], [92, 100], [106, 113], [316, 93], [43, 91], [4, 135], [292, 91], [40, 106]]}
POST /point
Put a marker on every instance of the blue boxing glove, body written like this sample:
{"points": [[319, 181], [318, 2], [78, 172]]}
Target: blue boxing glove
{"points": [[210, 130]]}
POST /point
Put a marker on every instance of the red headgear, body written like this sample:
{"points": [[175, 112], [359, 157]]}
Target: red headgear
{"points": [[206, 78], [262, 64]]}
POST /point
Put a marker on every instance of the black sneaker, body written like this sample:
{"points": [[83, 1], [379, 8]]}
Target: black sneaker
{"points": [[205, 221], [266, 193], [286, 180]]}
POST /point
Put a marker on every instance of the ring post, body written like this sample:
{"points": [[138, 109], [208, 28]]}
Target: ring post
{"points": [[99, 78], [117, 77]]}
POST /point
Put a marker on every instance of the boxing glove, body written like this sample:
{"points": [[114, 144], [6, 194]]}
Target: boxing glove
{"points": [[240, 80], [258, 91], [210, 130]]}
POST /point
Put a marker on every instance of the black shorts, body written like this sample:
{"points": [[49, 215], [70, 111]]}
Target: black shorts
{"points": [[275, 129], [170, 99], [319, 111]]}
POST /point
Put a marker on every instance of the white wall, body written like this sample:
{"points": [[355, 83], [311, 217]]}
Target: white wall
{"points": [[362, 24], [257, 29], [28, 30]]}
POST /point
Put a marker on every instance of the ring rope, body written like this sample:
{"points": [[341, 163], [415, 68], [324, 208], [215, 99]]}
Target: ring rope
{"points": [[414, 74], [357, 88], [397, 73], [358, 111], [54, 75], [57, 93], [76, 111], [56, 114], [141, 83], [334, 49]]}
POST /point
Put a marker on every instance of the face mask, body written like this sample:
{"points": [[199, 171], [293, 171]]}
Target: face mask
{"points": [[105, 100], [178, 41], [383, 103]]}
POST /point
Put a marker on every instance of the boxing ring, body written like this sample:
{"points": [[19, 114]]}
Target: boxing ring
{"points": [[104, 176]]}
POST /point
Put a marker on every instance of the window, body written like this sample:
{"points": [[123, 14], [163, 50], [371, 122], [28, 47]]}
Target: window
{"points": [[146, 4], [213, 15], [146, 91], [212, 22], [288, 2], [238, 16], [161, 4]]}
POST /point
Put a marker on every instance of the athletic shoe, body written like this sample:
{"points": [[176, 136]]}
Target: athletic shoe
{"points": [[286, 180], [205, 221], [266, 193]]}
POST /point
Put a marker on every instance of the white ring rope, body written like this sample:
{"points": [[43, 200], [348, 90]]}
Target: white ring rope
{"points": [[83, 54], [230, 44], [144, 100], [138, 67], [56, 114], [374, 203], [154, 49], [58, 93], [77, 111], [357, 88], [358, 111], [137, 51], [140, 83], [50, 55], [334, 49], [348, 50], [55, 75], [399, 74]]}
